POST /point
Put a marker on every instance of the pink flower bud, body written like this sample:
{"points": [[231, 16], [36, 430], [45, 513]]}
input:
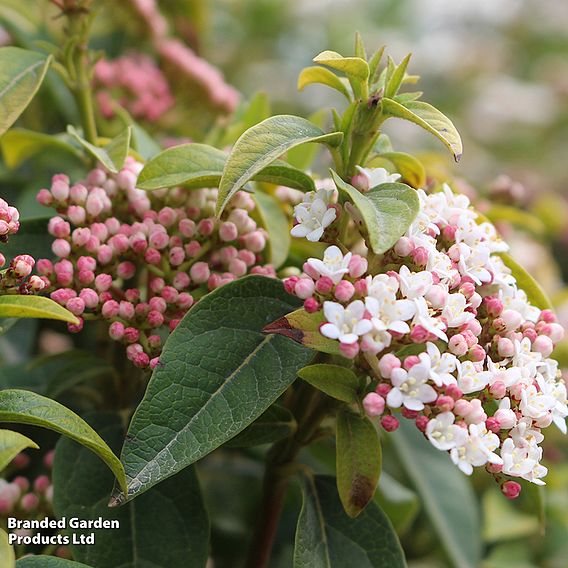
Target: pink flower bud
{"points": [[29, 502], [506, 418], [410, 414], [187, 228], [170, 294], [200, 272], [419, 334], [228, 231], [22, 265], [126, 310], [389, 423], [437, 296], [76, 214], [462, 407], [422, 423], [324, 285], [173, 324], [22, 482], [237, 267], [44, 197], [78, 193], [255, 241], [458, 345], [304, 288], [404, 246], [357, 266], [37, 283], [311, 305], [512, 319], [492, 425], [155, 319], [60, 190], [89, 297], [349, 350], [477, 354], [110, 309], [81, 236], [387, 363], [131, 335], [360, 287], [505, 347], [511, 489], [205, 227], [76, 327], [62, 296], [498, 390], [445, 403], [41, 483], [494, 306], [152, 256], [159, 239], [344, 291], [420, 256], [192, 249], [555, 331], [141, 360], [126, 270], [159, 304], [167, 216], [76, 306], [184, 301], [61, 248], [544, 345], [374, 404], [103, 282], [181, 280]]}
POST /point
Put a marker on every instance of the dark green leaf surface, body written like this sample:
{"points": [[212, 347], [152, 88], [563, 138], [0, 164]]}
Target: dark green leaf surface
{"points": [[335, 381], [168, 526], [327, 538], [358, 459], [25, 407], [218, 373], [261, 145], [447, 496], [42, 561], [386, 211]]}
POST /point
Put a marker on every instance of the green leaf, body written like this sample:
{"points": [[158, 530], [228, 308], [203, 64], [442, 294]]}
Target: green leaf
{"points": [[400, 504], [25, 407], [447, 496], [261, 145], [276, 423], [113, 154], [303, 328], [16, 306], [429, 118], [32, 238], [11, 444], [358, 459], [18, 145], [258, 109], [327, 538], [42, 561], [386, 211], [395, 80], [335, 381], [351, 66], [21, 74], [273, 219], [194, 165], [142, 142], [199, 165], [410, 168], [303, 156], [229, 376], [168, 526], [323, 76], [535, 294], [7, 554], [374, 63]]}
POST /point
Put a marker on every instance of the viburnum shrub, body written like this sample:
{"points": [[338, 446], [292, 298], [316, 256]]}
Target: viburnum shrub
{"points": [[234, 311]]}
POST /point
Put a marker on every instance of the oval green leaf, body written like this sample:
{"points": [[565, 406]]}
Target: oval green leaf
{"points": [[15, 306], [26, 407], [261, 145], [327, 538], [386, 211], [323, 76], [429, 118], [535, 294], [335, 381], [21, 74], [273, 219], [447, 496], [409, 167], [172, 515], [11, 444], [42, 561], [228, 371], [358, 461], [352, 66], [7, 554]]}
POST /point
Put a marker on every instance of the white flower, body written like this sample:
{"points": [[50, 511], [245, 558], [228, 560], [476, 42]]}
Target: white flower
{"points": [[314, 215], [377, 176], [442, 366], [424, 318], [411, 388], [334, 265], [443, 433], [380, 285], [535, 403], [521, 454], [556, 390], [414, 284], [476, 450], [345, 324], [474, 262], [454, 310], [390, 313], [525, 359], [471, 378], [375, 341], [506, 417]]}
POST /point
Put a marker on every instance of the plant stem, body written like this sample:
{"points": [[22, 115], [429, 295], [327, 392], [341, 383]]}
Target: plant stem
{"points": [[310, 409]]}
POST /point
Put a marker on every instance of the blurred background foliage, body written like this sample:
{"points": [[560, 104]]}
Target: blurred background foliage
{"points": [[497, 68]]}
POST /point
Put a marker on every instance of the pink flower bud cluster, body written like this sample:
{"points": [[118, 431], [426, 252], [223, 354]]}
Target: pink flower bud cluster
{"points": [[25, 498], [140, 260], [17, 278], [448, 339], [135, 83]]}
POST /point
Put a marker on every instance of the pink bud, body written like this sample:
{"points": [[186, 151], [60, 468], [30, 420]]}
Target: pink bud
{"points": [[445, 403], [344, 291], [192, 249], [157, 303], [349, 350], [506, 418], [228, 231], [205, 227], [477, 354], [462, 407], [324, 285], [544, 345], [78, 193], [126, 270], [187, 228], [167, 216], [374, 404], [61, 248], [76, 214], [512, 319], [44, 197], [152, 256], [389, 423], [422, 423], [170, 294], [404, 246], [62, 296], [511, 489], [555, 331], [41, 483], [419, 334], [467, 289], [498, 390], [493, 425], [311, 305], [410, 414], [200, 272], [237, 267], [360, 287], [131, 335], [304, 288], [110, 309], [29, 502], [155, 319], [458, 345], [76, 306], [126, 310], [357, 266], [22, 265], [387, 364], [22, 482], [60, 190], [494, 306], [81, 236], [420, 256], [141, 360], [255, 241], [76, 327], [437, 296], [184, 301]]}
